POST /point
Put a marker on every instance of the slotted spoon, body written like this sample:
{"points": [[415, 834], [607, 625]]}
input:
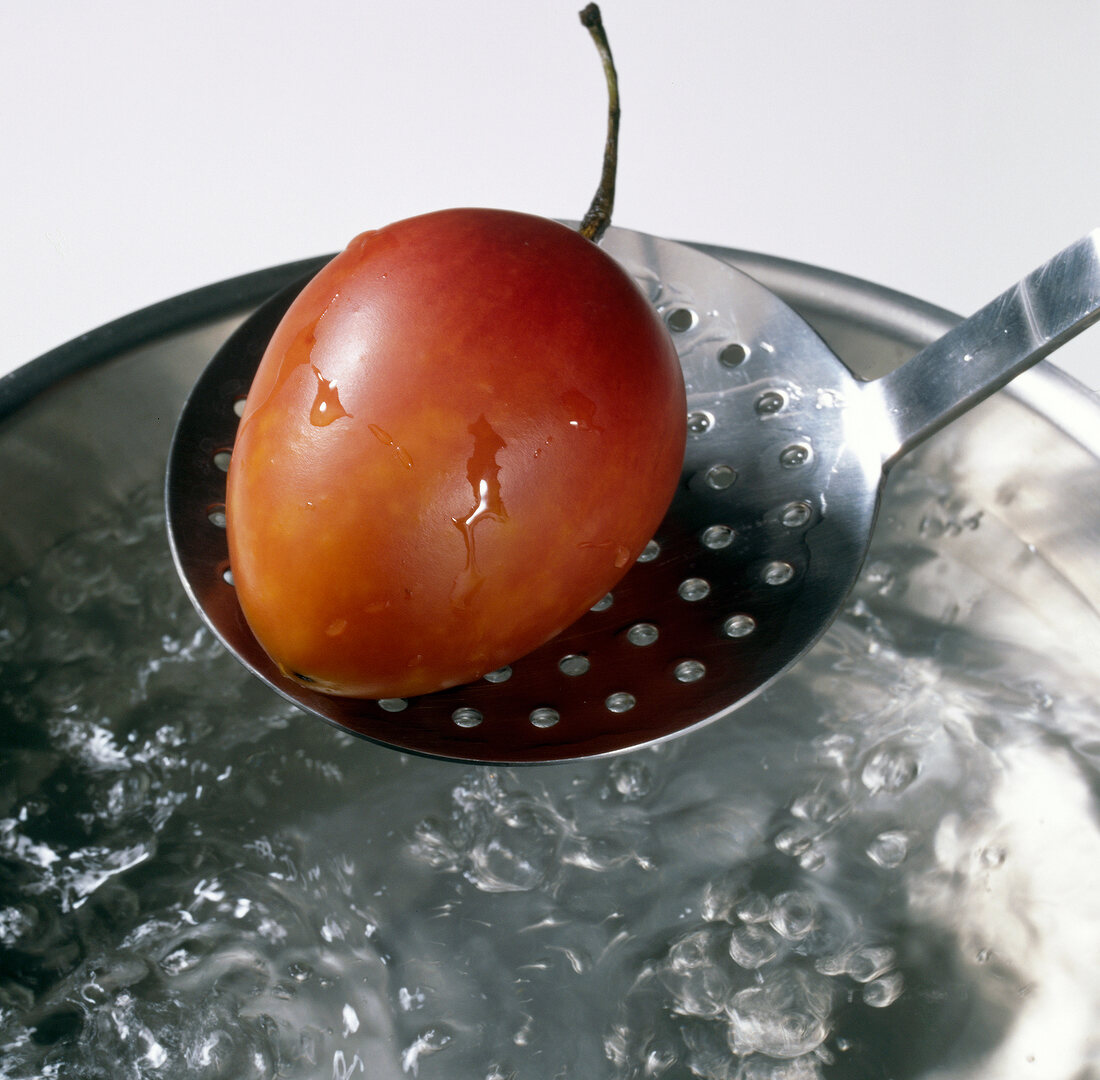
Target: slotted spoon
{"points": [[786, 456]]}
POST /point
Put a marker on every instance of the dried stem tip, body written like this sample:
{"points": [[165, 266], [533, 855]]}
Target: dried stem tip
{"points": [[598, 217]]}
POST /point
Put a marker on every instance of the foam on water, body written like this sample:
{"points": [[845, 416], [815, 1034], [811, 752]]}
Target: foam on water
{"points": [[888, 865]]}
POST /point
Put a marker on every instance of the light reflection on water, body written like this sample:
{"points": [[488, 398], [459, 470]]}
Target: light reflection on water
{"points": [[888, 865]]}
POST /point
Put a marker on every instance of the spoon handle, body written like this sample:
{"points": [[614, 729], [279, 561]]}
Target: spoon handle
{"points": [[1011, 333]]}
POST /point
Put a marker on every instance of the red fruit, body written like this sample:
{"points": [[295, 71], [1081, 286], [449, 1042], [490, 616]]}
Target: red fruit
{"points": [[462, 434]]}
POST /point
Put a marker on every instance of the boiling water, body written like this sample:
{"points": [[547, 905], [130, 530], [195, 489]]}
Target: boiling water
{"points": [[887, 866]]}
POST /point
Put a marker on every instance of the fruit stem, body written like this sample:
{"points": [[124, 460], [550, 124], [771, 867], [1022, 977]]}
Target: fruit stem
{"points": [[598, 217]]}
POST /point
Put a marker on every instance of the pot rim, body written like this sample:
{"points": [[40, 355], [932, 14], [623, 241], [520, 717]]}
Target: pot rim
{"points": [[813, 291]]}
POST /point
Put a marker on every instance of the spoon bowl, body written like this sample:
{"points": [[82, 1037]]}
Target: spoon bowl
{"points": [[785, 460]]}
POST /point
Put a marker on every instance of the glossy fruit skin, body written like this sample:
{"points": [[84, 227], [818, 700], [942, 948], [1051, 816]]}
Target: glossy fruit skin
{"points": [[462, 434]]}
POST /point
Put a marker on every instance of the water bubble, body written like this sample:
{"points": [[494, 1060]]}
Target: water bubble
{"points": [[68, 596], [604, 602], [885, 991], [14, 621], [826, 803], [813, 858], [868, 962], [721, 477], [794, 914], [753, 946], [649, 553], [14, 923], [717, 537], [993, 857], [179, 961], [690, 671], [692, 589], [506, 840], [222, 459], [502, 674], [738, 626], [299, 970], [883, 578], [574, 664], [428, 1042], [620, 702], [785, 1017], [889, 849], [694, 950], [753, 907], [393, 704], [642, 634], [797, 838], [699, 983], [891, 769], [631, 778], [216, 516]]}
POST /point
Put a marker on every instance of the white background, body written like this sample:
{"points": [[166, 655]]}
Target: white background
{"points": [[940, 147]]}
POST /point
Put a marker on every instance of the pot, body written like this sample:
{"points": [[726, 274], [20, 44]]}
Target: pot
{"points": [[886, 865]]}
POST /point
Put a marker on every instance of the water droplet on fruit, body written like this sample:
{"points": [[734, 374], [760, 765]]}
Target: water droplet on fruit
{"points": [[483, 473], [326, 403], [384, 438], [582, 411], [620, 552]]}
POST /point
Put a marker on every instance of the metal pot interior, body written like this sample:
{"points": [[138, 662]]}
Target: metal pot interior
{"points": [[887, 865]]}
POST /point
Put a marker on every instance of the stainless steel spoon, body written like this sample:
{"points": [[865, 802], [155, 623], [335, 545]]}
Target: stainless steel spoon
{"points": [[786, 457]]}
